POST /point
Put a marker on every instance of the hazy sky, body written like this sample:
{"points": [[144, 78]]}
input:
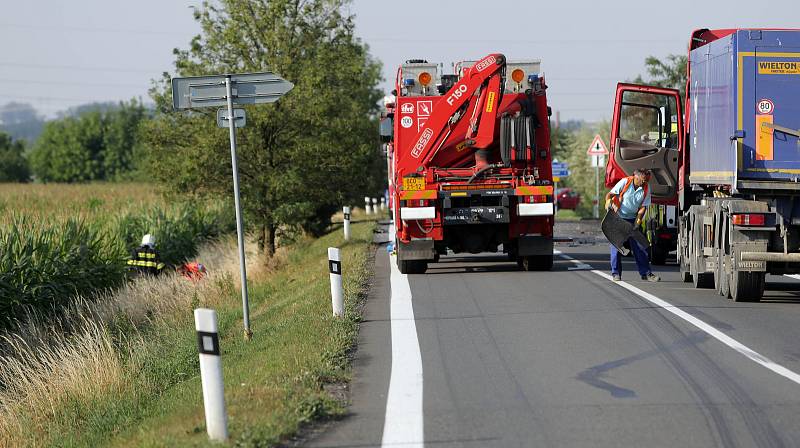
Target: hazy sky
{"points": [[56, 54]]}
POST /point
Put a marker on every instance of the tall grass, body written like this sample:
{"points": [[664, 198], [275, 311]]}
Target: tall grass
{"points": [[50, 252]]}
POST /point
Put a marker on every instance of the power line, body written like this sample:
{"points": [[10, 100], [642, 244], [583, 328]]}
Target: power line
{"points": [[81, 68], [53, 98], [138, 32], [65, 83], [520, 41]]}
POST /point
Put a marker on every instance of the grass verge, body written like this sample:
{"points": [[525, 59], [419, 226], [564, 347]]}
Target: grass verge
{"points": [[129, 375]]}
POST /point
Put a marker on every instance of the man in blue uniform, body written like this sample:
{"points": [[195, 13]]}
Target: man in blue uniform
{"points": [[630, 198]]}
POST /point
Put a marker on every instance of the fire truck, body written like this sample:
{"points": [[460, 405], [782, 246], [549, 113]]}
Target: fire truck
{"points": [[470, 165], [728, 168]]}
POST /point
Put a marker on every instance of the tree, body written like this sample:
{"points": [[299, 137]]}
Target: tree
{"points": [[670, 73], [98, 144], [13, 165], [21, 121], [300, 158]]}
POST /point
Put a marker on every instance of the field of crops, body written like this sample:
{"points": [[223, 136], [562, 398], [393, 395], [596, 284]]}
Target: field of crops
{"points": [[59, 241]]}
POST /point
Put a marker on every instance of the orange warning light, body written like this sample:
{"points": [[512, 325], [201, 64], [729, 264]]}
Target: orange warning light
{"points": [[517, 75], [425, 78]]}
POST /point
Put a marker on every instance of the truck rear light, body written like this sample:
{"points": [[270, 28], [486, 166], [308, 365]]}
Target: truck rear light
{"points": [[535, 199], [665, 236], [749, 219]]}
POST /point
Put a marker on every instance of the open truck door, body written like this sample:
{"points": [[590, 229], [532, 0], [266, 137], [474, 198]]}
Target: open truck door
{"points": [[647, 132]]}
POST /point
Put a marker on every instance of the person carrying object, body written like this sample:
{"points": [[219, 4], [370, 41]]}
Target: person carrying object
{"points": [[630, 198]]}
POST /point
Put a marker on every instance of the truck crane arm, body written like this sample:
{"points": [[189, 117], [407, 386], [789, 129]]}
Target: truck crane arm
{"points": [[481, 87]]}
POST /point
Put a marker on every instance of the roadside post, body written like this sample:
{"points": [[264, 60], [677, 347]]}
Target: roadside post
{"points": [[227, 90], [337, 291], [597, 151], [367, 207], [383, 203], [375, 205], [346, 211], [205, 322]]}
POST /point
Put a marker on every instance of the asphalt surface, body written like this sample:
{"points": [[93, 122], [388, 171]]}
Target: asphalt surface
{"points": [[568, 358]]}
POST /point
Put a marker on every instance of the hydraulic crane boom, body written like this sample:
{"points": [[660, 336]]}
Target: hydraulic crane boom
{"points": [[482, 88]]}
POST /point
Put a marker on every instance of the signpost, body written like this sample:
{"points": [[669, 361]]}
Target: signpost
{"points": [[560, 169], [227, 90], [597, 151]]}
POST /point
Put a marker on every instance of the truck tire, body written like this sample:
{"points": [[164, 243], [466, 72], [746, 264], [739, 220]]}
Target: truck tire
{"points": [[658, 254], [536, 263], [721, 283], [683, 269], [747, 286], [412, 266]]}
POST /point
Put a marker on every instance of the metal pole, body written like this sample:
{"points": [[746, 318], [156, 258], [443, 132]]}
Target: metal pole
{"points": [[596, 187], [239, 226]]}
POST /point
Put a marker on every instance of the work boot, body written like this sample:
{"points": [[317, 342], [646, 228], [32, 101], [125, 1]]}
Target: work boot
{"points": [[650, 277], [615, 277]]}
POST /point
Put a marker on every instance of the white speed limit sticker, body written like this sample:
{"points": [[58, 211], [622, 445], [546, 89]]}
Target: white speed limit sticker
{"points": [[406, 122], [765, 107]]}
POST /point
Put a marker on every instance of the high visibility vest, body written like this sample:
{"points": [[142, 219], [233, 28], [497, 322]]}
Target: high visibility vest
{"points": [[146, 259], [618, 198]]}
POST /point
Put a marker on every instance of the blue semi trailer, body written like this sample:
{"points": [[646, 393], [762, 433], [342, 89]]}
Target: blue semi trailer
{"points": [[726, 159]]}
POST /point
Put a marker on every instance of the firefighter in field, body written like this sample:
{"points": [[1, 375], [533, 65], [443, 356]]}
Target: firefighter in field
{"points": [[145, 259], [630, 198]]}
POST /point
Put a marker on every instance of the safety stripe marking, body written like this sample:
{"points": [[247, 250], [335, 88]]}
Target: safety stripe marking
{"points": [[708, 329], [403, 423]]}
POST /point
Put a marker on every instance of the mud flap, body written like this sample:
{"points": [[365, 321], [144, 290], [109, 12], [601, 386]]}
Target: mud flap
{"points": [[618, 231], [534, 245], [415, 250]]}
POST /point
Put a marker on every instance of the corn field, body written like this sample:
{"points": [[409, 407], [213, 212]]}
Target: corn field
{"points": [[61, 241]]}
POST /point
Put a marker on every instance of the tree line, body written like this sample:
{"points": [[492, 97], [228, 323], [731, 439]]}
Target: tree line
{"points": [[300, 159]]}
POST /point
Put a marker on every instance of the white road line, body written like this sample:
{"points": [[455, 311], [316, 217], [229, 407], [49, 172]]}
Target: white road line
{"points": [[403, 423], [710, 330]]}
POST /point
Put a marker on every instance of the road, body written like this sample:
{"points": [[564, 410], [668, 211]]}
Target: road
{"points": [[476, 353]]}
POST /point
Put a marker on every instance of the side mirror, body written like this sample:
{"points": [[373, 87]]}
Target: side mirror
{"points": [[387, 129]]}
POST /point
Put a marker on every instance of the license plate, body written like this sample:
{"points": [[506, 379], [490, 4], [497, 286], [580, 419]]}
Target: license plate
{"points": [[413, 183]]}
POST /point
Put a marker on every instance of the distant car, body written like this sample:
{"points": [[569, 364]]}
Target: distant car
{"points": [[567, 199]]}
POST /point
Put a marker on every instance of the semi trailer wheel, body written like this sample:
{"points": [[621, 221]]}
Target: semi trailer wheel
{"points": [[683, 269], [721, 283], [747, 286]]}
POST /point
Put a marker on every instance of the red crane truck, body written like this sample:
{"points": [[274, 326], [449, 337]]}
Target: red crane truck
{"points": [[470, 166], [730, 163]]}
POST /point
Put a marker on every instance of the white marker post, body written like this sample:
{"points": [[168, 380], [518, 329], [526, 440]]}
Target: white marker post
{"points": [[337, 292], [367, 207], [205, 322], [346, 223], [375, 205], [383, 203]]}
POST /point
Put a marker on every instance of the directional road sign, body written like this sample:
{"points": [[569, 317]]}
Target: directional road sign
{"points": [[210, 91], [227, 90], [560, 165], [239, 116], [561, 173], [597, 148]]}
